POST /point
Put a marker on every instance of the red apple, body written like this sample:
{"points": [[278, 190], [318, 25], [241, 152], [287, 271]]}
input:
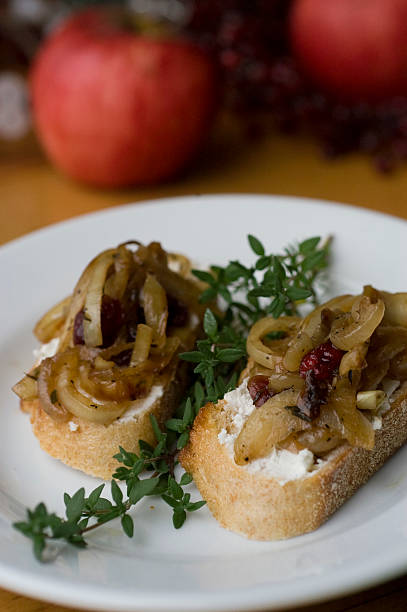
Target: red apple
{"points": [[115, 108], [356, 49]]}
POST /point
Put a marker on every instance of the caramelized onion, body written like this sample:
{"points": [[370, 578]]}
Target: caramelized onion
{"points": [[154, 259], [26, 388], [109, 353], [374, 374], [100, 384], [68, 384], [161, 357], [372, 329], [297, 349], [77, 303], [92, 323], [116, 283], [267, 426], [101, 364], [47, 391], [356, 428], [258, 350], [396, 308], [387, 342], [279, 381], [142, 344], [319, 440], [311, 325], [398, 366], [180, 264], [49, 326], [155, 306], [356, 327], [354, 359], [84, 406], [329, 420], [106, 384]]}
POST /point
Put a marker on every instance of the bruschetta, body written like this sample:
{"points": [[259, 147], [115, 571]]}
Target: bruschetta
{"points": [[109, 356], [320, 407]]}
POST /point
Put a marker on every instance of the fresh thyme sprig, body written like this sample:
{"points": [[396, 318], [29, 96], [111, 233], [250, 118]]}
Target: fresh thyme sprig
{"points": [[220, 357], [84, 514], [283, 279]]}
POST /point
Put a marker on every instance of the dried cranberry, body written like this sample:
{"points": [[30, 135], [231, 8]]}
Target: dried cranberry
{"points": [[122, 359], [177, 313], [78, 336], [323, 361], [111, 319], [258, 387], [312, 397], [133, 314]]}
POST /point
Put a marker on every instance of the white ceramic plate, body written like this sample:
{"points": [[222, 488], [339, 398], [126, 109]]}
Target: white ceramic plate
{"points": [[200, 567]]}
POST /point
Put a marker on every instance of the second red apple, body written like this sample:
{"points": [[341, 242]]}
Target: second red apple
{"points": [[355, 49]]}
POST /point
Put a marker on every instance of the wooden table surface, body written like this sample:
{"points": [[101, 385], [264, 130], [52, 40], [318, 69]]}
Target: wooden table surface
{"points": [[33, 194]]}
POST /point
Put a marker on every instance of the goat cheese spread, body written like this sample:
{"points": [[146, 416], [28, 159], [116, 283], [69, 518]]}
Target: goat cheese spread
{"points": [[141, 405], [46, 350], [280, 464]]}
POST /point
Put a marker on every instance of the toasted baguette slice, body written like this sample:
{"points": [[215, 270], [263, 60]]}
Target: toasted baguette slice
{"points": [[109, 358], [90, 447], [259, 507]]}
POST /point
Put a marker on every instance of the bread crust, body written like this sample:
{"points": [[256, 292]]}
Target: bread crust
{"points": [[261, 508], [91, 446]]}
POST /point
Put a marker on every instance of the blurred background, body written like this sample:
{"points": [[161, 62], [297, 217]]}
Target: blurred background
{"points": [[107, 103], [158, 98], [304, 97], [267, 75]]}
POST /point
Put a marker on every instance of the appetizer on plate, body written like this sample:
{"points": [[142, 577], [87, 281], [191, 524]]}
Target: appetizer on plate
{"points": [[109, 358], [321, 405]]}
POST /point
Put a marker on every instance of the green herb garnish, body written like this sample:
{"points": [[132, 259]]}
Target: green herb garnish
{"points": [[84, 514], [283, 279]]}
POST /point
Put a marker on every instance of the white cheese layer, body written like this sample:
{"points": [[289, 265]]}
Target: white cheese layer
{"points": [[141, 405], [280, 464], [284, 465], [46, 350]]}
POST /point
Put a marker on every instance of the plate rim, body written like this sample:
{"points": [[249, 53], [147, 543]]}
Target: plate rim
{"points": [[35, 589], [117, 209]]}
